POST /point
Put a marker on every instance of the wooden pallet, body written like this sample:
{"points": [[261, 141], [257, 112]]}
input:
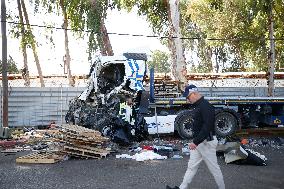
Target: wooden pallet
{"points": [[85, 136], [82, 133], [80, 129], [82, 139], [86, 153], [40, 157]]}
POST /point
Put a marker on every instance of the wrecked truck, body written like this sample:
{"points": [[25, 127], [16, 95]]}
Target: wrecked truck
{"points": [[111, 103], [120, 104]]}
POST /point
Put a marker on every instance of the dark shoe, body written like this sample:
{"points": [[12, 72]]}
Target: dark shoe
{"points": [[168, 187]]}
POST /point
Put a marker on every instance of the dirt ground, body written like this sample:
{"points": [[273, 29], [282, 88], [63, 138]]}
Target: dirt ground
{"points": [[112, 173]]}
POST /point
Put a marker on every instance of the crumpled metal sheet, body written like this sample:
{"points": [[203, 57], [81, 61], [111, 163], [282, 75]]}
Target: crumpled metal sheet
{"points": [[234, 152]]}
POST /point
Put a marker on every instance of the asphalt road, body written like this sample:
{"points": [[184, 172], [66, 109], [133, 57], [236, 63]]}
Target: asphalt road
{"points": [[111, 173]]}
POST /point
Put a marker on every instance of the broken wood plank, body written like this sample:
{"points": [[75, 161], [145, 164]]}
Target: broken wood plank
{"points": [[46, 157], [79, 129]]}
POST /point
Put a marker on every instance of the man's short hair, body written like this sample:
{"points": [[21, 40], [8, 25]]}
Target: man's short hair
{"points": [[189, 89]]}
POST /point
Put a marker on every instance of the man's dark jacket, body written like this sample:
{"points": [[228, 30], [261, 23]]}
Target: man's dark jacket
{"points": [[204, 121]]}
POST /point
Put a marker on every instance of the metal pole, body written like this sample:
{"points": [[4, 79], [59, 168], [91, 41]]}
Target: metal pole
{"points": [[272, 55], [4, 64], [152, 85], [61, 103], [156, 122]]}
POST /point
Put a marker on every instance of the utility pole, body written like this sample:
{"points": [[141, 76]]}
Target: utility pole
{"points": [[4, 65], [271, 67]]}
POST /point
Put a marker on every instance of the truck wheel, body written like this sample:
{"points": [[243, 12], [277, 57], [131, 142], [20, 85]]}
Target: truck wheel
{"points": [[104, 126], [184, 124], [226, 123]]}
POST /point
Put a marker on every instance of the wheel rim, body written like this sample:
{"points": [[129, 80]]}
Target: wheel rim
{"points": [[187, 127], [106, 131], [224, 124]]}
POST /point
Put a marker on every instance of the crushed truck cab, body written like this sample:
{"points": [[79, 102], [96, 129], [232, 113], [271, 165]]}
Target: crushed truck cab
{"points": [[111, 101]]}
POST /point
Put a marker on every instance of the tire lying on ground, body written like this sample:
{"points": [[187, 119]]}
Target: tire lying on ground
{"points": [[184, 123], [226, 122], [104, 126]]}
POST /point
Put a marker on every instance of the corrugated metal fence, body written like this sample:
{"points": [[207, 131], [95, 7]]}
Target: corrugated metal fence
{"points": [[38, 106], [41, 106]]}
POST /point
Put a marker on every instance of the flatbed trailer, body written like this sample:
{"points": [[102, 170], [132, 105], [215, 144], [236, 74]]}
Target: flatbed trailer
{"points": [[222, 100], [232, 113]]}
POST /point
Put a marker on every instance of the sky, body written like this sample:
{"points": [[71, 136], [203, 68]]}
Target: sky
{"points": [[51, 57]]}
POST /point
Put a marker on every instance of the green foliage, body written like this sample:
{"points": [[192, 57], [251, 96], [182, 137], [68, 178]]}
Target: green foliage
{"points": [[15, 31], [244, 23], [84, 15], [12, 66], [160, 62]]}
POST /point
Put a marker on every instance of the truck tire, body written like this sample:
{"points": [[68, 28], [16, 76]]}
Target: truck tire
{"points": [[104, 126], [226, 122], [184, 124]]}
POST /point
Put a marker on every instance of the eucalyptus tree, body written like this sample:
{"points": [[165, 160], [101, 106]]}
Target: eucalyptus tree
{"points": [[25, 70], [23, 29], [165, 19], [160, 62], [12, 66], [244, 26], [58, 7], [66, 43], [87, 17], [31, 41], [84, 17]]}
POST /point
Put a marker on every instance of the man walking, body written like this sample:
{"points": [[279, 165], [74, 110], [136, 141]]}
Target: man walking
{"points": [[204, 142]]}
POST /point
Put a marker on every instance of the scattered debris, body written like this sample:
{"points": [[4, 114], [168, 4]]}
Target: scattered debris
{"points": [[276, 142], [177, 157], [5, 133], [40, 146], [123, 156], [61, 142], [164, 150], [12, 143], [185, 151], [143, 156], [16, 149], [235, 152]]}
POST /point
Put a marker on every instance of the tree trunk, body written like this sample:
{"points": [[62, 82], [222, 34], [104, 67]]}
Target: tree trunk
{"points": [[25, 70], [33, 44], [107, 48], [102, 37], [216, 69], [271, 67], [66, 42], [175, 44]]}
